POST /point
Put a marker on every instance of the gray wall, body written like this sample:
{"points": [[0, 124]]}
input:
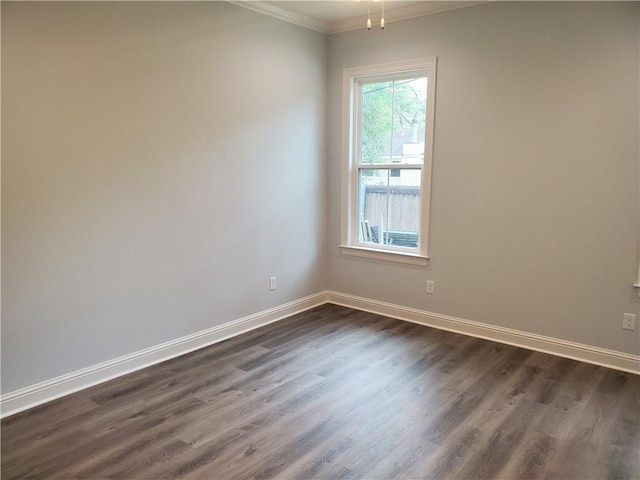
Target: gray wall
{"points": [[160, 162], [535, 183]]}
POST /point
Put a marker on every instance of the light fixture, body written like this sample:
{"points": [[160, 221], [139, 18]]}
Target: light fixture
{"points": [[369, 16]]}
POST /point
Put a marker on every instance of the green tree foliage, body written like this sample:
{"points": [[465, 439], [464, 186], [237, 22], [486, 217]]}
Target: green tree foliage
{"points": [[388, 108]]}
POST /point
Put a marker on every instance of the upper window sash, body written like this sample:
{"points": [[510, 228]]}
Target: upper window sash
{"points": [[359, 105]]}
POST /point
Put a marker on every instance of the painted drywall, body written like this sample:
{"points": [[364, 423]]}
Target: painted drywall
{"points": [[535, 208], [160, 161]]}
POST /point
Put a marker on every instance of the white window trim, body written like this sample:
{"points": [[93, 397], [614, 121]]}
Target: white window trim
{"points": [[349, 244]]}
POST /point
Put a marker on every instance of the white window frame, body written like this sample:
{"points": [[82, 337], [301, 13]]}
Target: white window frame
{"points": [[353, 78]]}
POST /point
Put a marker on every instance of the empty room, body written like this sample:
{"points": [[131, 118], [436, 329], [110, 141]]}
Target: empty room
{"points": [[320, 239]]}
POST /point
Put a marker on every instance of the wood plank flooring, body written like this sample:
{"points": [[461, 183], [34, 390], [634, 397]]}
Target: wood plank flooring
{"points": [[337, 393]]}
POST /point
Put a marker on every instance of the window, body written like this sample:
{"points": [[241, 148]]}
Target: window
{"points": [[387, 154]]}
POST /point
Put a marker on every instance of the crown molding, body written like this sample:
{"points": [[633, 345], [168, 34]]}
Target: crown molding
{"points": [[420, 9], [398, 14], [284, 14]]}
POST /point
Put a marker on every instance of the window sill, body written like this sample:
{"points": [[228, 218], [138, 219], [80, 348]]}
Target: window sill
{"points": [[385, 255]]}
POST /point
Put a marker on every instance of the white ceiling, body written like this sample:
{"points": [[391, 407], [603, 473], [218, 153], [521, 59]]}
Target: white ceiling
{"points": [[334, 16], [334, 10]]}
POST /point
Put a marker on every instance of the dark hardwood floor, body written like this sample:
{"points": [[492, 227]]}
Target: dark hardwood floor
{"points": [[337, 393]]}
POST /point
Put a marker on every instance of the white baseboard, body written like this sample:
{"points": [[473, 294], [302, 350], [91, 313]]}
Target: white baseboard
{"points": [[46, 391], [562, 348], [43, 392]]}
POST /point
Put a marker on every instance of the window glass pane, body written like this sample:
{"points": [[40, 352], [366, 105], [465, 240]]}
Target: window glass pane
{"points": [[389, 206], [393, 121]]}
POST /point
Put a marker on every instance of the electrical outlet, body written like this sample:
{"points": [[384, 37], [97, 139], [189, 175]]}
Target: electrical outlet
{"points": [[629, 321], [272, 283], [431, 286]]}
